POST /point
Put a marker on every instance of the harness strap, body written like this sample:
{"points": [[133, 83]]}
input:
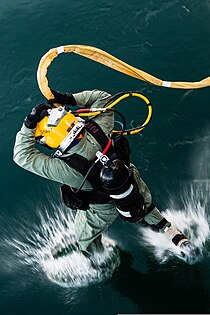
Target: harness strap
{"points": [[82, 165], [82, 199], [95, 130], [121, 148]]}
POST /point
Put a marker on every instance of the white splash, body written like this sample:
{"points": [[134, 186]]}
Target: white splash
{"points": [[192, 220], [71, 270]]}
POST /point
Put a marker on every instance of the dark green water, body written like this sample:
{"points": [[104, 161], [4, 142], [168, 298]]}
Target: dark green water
{"points": [[169, 39]]}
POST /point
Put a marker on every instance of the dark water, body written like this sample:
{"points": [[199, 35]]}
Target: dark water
{"points": [[169, 39]]}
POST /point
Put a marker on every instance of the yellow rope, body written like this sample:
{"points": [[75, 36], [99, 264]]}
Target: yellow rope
{"points": [[104, 58]]}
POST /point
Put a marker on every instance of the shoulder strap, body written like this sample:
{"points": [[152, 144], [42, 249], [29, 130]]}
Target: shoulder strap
{"points": [[121, 147], [95, 130], [81, 164]]}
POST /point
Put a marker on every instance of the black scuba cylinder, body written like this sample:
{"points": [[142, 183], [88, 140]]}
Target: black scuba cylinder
{"points": [[118, 181]]}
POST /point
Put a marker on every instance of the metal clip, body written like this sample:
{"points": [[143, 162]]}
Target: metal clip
{"points": [[102, 157]]}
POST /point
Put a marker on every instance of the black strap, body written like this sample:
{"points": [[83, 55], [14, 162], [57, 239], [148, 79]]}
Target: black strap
{"points": [[82, 199], [154, 227], [97, 197], [95, 130], [151, 207], [121, 148], [82, 165], [178, 237]]}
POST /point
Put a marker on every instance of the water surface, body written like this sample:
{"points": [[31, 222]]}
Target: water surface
{"points": [[169, 39]]}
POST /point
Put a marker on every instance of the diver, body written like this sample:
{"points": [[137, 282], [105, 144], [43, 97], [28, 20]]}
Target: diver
{"points": [[99, 183]]}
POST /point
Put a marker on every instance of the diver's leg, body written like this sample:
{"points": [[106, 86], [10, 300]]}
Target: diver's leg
{"points": [[154, 218], [90, 224]]}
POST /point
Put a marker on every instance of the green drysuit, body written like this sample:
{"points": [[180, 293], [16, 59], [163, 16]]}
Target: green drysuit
{"points": [[91, 223]]}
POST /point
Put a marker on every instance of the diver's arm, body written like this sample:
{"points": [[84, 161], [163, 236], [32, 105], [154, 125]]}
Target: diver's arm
{"points": [[97, 99], [88, 99], [84, 99], [94, 98], [29, 158]]}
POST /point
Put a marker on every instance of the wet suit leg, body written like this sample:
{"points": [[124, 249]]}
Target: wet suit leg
{"points": [[154, 218], [90, 224], [156, 221]]}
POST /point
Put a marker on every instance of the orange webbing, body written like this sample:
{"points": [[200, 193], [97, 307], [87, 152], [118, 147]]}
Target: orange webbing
{"points": [[108, 60]]}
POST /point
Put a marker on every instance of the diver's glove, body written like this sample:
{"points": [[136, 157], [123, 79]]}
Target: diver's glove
{"points": [[60, 98], [36, 115]]}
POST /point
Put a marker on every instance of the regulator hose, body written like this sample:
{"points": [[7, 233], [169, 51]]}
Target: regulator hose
{"points": [[114, 100]]}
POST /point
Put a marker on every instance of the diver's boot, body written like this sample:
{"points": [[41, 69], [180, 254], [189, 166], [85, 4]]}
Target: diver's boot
{"points": [[169, 230], [189, 252], [177, 237]]}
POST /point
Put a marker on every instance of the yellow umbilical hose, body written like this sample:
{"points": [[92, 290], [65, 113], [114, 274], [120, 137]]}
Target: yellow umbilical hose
{"points": [[108, 60]]}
